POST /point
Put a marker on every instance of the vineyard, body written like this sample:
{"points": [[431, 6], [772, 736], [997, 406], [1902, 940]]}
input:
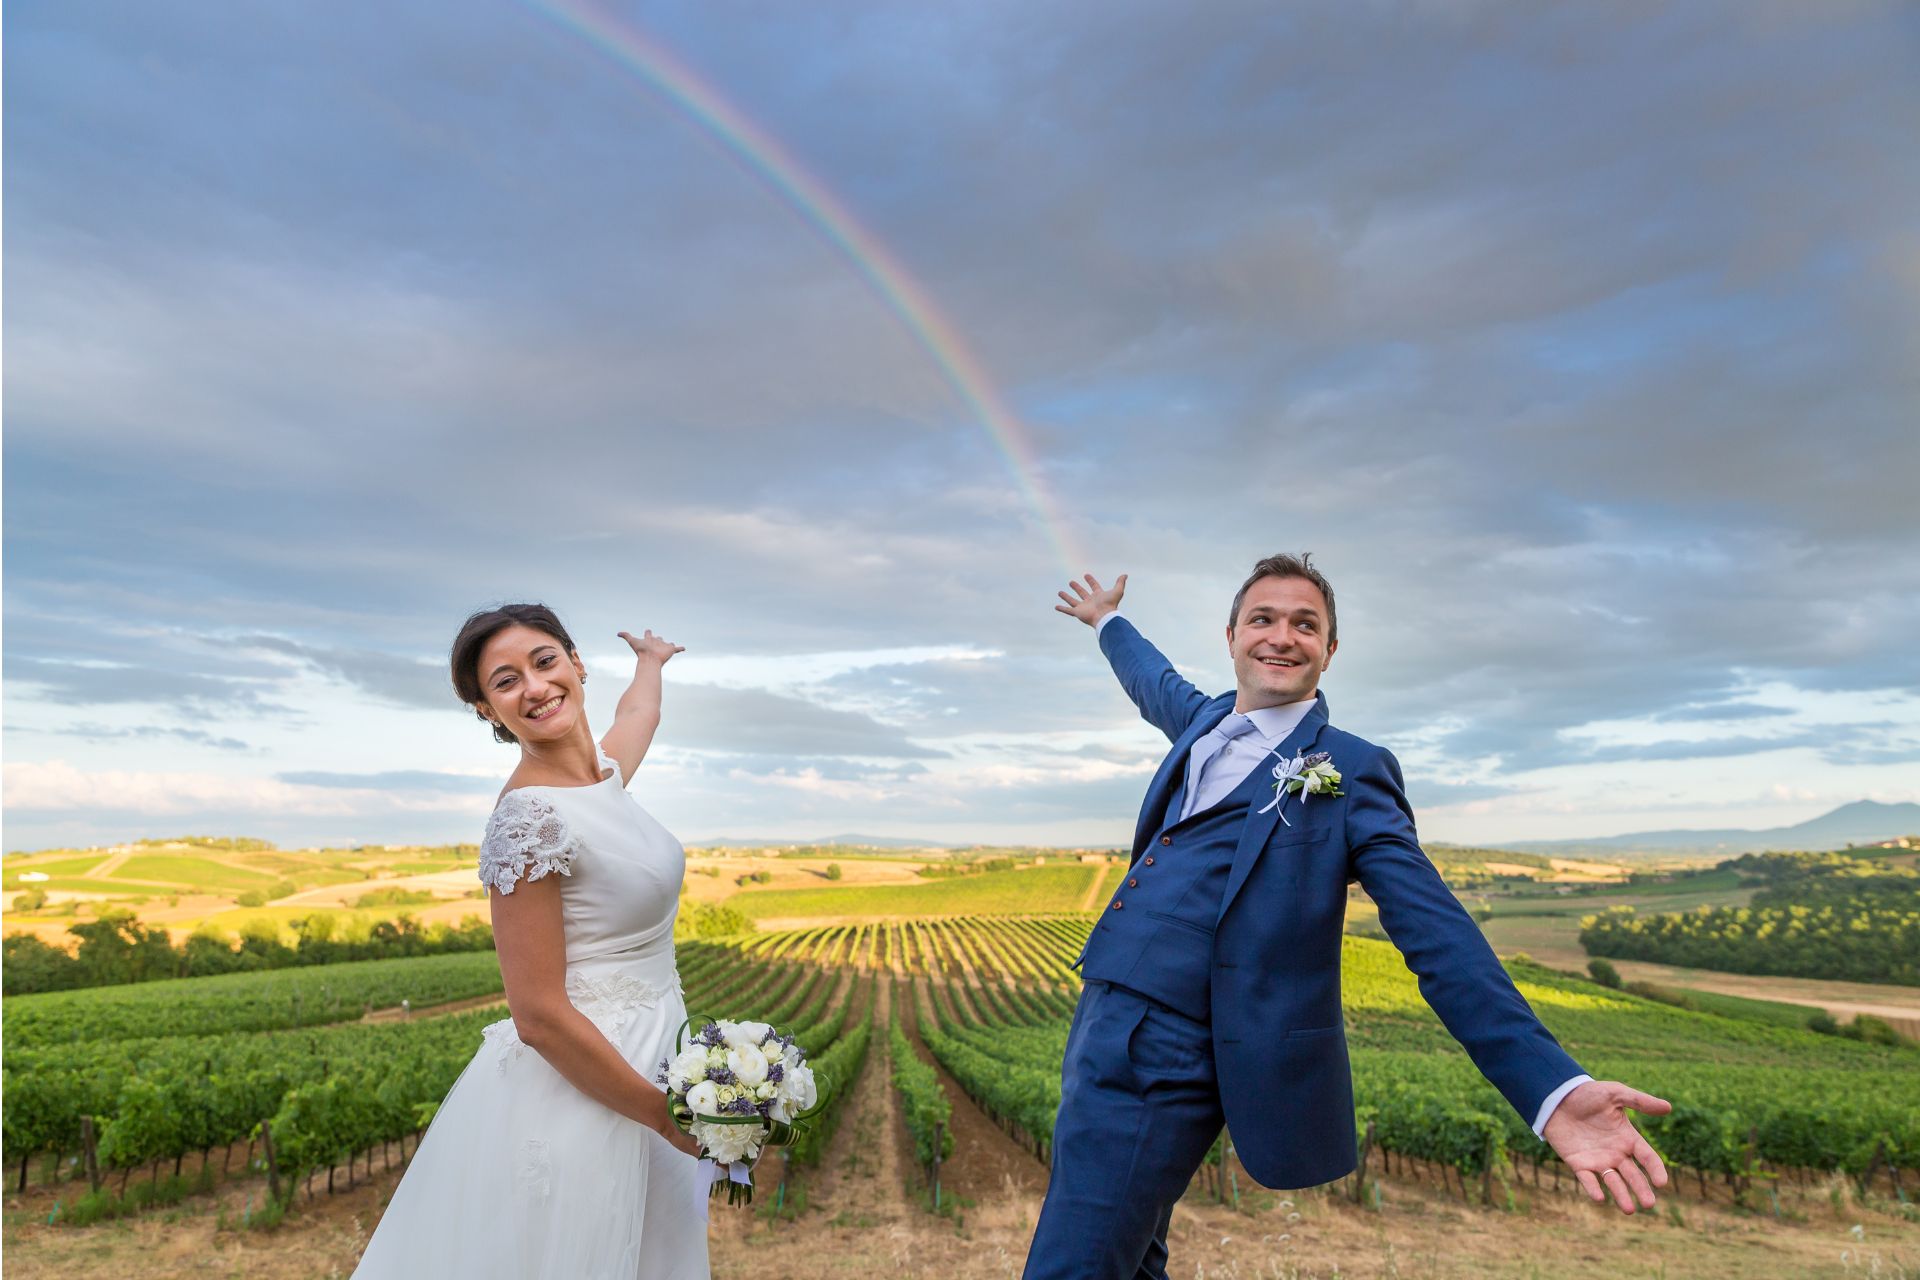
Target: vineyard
{"points": [[281, 1074], [267, 1001], [1054, 887]]}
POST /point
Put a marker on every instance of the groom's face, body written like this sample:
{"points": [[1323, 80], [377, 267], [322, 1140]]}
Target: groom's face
{"points": [[1279, 643]]}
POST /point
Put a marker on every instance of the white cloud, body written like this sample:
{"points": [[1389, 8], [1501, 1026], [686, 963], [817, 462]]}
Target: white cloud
{"points": [[55, 786]]}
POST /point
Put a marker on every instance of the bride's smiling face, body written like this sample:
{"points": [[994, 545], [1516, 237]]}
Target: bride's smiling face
{"points": [[532, 684]]}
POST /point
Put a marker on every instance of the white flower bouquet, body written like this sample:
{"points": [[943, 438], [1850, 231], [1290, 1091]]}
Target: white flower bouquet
{"points": [[737, 1088]]}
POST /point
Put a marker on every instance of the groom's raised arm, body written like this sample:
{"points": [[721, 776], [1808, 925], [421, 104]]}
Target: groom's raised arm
{"points": [[1167, 700]]}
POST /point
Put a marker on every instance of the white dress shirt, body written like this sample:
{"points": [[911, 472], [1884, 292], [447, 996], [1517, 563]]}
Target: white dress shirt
{"points": [[1228, 768]]}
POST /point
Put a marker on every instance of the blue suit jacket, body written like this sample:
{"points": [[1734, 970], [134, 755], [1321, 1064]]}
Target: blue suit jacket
{"points": [[1280, 1045]]}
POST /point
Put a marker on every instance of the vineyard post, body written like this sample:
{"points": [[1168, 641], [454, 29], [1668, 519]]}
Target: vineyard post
{"points": [[25, 1160], [1486, 1171], [939, 1130], [273, 1166], [1873, 1166], [1360, 1180], [91, 1150]]}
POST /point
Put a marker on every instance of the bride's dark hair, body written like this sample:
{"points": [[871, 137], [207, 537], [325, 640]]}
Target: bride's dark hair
{"points": [[484, 626]]}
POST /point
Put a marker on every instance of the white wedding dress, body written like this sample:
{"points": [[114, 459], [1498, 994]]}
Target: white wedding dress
{"points": [[521, 1175]]}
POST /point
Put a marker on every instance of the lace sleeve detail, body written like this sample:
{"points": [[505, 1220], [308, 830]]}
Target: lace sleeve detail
{"points": [[526, 839]]}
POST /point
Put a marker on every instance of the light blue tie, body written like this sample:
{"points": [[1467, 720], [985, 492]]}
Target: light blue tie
{"points": [[1205, 752]]}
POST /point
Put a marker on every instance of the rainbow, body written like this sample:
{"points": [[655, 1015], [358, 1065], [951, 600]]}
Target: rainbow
{"points": [[762, 155]]}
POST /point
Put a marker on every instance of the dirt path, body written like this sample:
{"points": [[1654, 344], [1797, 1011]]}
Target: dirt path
{"points": [[452, 885], [860, 1171], [398, 1014], [859, 1218], [1090, 900], [105, 870], [1898, 1005], [986, 1163]]}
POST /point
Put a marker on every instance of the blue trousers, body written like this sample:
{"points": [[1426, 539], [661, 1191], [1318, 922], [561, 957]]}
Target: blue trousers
{"points": [[1139, 1107]]}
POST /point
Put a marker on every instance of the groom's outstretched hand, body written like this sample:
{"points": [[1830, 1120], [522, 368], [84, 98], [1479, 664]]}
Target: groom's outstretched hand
{"points": [[1591, 1132], [1093, 601]]}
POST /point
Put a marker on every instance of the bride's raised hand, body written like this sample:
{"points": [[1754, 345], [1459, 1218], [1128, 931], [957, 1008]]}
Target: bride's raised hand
{"points": [[651, 647], [1093, 601]]}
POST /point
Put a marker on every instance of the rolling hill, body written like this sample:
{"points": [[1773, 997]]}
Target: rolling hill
{"points": [[1862, 822]]}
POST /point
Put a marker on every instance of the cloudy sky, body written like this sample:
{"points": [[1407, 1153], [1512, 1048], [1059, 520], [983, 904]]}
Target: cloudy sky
{"points": [[1581, 344]]}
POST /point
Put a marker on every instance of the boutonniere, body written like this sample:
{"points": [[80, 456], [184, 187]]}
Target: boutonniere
{"points": [[1304, 776]]}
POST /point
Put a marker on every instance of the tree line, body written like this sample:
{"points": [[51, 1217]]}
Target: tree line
{"points": [[1841, 916], [116, 948]]}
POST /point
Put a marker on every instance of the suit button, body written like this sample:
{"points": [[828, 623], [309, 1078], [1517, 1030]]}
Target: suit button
{"points": [[1149, 859], [1133, 884], [1166, 839], [1116, 904]]}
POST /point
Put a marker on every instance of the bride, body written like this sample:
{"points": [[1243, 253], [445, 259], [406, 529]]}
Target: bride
{"points": [[553, 1155]]}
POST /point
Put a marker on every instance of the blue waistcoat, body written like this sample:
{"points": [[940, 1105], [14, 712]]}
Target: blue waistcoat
{"points": [[1159, 940]]}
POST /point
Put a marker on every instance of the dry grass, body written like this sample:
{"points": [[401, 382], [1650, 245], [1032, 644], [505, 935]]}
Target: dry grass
{"points": [[862, 1224], [790, 873]]}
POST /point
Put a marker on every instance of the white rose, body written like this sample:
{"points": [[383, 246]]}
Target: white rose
{"points": [[748, 1064], [766, 1089], [729, 1031], [801, 1087], [780, 1111], [704, 1098], [717, 1056], [793, 1055], [731, 1143], [689, 1067], [755, 1032]]}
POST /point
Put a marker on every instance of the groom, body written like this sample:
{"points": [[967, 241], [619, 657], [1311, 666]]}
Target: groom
{"points": [[1213, 976]]}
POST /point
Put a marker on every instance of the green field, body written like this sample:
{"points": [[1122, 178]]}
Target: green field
{"points": [[426, 868], [1648, 897], [54, 868], [1771, 1012], [74, 884], [192, 873], [1026, 891]]}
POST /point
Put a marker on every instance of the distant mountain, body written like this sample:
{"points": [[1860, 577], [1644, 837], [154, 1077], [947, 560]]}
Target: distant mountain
{"points": [[786, 842], [1862, 822]]}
